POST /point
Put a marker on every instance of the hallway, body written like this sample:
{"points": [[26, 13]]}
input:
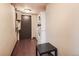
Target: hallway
{"points": [[57, 24], [25, 47], [27, 24]]}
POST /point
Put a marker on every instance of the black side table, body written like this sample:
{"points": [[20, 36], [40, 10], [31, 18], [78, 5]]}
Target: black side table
{"points": [[46, 48]]}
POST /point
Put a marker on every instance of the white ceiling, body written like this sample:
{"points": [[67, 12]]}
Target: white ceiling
{"points": [[35, 7]]}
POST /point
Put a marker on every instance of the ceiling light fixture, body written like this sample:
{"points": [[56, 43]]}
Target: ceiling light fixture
{"points": [[27, 10]]}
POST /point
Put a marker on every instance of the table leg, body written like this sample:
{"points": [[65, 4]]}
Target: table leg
{"points": [[36, 52], [56, 53]]}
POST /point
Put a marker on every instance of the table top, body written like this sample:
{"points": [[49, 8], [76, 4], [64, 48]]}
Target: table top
{"points": [[45, 48]]}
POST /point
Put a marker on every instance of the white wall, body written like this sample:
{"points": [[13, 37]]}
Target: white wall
{"points": [[41, 30], [34, 25], [7, 29], [62, 27], [43, 27]]}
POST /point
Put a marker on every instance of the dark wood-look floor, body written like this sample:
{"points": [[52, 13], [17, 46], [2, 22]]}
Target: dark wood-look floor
{"points": [[26, 47]]}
